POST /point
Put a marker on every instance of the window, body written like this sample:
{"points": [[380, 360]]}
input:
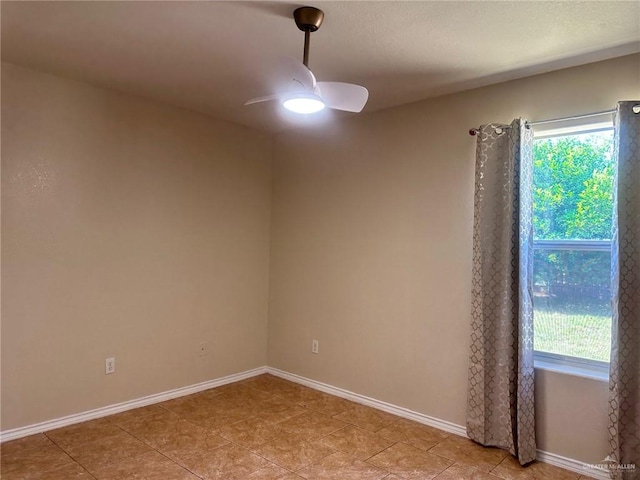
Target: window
{"points": [[572, 216]]}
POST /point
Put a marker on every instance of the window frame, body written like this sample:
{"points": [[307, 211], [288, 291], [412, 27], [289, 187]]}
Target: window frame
{"points": [[554, 362], [580, 367]]}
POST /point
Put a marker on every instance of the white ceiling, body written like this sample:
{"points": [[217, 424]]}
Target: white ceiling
{"points": [[212, 56]]}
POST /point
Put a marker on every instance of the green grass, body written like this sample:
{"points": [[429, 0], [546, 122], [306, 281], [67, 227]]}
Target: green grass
{"points": [[584, 334]]}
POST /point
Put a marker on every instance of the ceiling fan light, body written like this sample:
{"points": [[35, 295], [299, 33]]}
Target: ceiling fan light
{"points": [[304, 103]]}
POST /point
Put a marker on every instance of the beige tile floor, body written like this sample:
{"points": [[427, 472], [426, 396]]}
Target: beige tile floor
{"points": [[263, 428]]}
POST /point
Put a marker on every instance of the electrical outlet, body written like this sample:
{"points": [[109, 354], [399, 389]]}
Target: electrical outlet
{"points": [[110, 365], [203, 349], [315, 346]]}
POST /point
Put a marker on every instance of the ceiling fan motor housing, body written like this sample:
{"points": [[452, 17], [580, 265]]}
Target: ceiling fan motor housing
{"points": [[308, 19]]}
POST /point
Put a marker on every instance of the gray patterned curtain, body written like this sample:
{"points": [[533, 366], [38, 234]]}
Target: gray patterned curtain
{"points": [[624, 377], [500, 404]]}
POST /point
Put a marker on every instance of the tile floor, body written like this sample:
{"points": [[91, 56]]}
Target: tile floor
{"points": [[263, 428]]}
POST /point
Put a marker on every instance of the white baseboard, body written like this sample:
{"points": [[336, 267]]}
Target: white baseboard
{"points": [[573, 465], [372, 402], [546, 457], [20, 432]]}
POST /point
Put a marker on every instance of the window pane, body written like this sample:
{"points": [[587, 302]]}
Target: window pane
{"points": [[573, 207], [572, 308], [573, 187]]}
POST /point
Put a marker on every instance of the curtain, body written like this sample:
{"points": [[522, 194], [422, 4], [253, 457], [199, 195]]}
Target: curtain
{"points": [[624, 377], [500, 404]]}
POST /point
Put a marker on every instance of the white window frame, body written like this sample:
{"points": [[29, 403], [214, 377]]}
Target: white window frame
{"points": [[581, 367]]}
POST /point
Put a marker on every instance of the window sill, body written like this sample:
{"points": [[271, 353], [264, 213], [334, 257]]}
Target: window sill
{"points": [[578, 367]]}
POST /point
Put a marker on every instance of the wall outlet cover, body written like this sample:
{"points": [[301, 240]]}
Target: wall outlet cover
{"points": [[110, 365]]}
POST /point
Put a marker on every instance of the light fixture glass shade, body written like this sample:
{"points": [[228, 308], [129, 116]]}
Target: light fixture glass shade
{"points": [[303, 103]]}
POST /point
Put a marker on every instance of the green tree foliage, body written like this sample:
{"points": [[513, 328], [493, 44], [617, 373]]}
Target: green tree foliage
{"points": [[573, 178], [583, 269], [573, 200]]}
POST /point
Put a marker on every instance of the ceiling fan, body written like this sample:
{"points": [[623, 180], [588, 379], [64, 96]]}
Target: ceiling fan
{"points": [[304, 94]]}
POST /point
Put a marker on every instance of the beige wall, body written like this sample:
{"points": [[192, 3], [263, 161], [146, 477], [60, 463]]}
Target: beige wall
{"points": [[371, 250], [129, 229]]}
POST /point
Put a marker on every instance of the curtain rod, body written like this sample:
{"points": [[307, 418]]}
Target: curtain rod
{"points": [[474, 131]]}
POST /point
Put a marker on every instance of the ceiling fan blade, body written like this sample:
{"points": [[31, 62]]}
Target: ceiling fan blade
{"points": [[266, 98], [297, 72], [343, 96]]}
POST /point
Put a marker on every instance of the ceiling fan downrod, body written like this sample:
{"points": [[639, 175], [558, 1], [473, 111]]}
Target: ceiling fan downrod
{"points": [[308, 19]]}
